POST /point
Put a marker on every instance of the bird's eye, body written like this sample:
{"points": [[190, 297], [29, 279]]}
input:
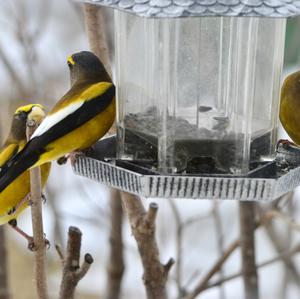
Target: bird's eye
{"points": [[70, 65], [22, 115]]}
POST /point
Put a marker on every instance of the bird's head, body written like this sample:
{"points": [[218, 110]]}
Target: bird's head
{"points": [[24, 114], [31, 112], [86, 66]]}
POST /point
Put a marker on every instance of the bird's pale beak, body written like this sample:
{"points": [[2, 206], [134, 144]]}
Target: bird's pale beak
{"points": [[37, 114]]}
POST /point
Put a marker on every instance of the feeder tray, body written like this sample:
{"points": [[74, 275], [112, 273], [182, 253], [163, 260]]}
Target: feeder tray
{"points": [[267, 181]]}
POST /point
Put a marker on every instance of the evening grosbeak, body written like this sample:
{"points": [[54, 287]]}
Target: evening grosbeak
{"points": [[81, 117], [290, 106], [15, 197]]}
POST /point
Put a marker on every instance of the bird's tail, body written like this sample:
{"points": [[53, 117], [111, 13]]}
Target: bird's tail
{"points": [[17, 165]]}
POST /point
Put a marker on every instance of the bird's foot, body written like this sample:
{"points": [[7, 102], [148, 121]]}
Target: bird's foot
{"points": [[13, 224], [285, 143], [62, 160], [89, 150], [31, 245], [11, 211], [74, 156], [44, 198]]}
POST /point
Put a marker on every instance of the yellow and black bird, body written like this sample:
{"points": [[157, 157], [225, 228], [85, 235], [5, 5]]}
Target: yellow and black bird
{"points": [[81, 117], [15, 197], [290, 106]]}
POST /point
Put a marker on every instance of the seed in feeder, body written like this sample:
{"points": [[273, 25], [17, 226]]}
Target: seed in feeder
{"points": [[204, 108]]}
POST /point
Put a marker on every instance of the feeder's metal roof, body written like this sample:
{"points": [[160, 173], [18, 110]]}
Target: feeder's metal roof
{"points": [[199, 8]]}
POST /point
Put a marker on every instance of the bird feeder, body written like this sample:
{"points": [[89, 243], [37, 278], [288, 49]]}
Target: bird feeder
{"points": [[198, 86]]}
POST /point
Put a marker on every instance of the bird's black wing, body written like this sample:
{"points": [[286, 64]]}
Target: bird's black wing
{"points": [[37, 146]]}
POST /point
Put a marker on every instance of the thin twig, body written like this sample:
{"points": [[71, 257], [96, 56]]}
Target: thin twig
{"points": [[60, 253], [203, 283], [214, 269], [288, 220], [279, 245], [37, 225], [220, 241], [179, 255], [287, 239], [72, 272], [282, 256]]}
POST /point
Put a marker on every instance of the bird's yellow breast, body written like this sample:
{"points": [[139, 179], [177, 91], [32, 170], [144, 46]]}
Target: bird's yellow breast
{"points": [[82, 137], [289, 112], [11, 196]]}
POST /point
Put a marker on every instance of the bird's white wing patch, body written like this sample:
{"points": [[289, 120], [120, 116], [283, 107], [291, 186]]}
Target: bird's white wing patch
{"points": [[55, 118]]}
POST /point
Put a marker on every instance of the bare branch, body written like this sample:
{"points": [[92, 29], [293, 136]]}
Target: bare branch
{"points": [[282, 256], [72, 272], [152, 212], [220, 241], [95, 28], [4, 287], [219, 263], [115, 268], [247, 242], [179, 255], [288, 220], [143, 228], [37, 225], [279, 245], [80, 273], [60, 253], [214, 269]]}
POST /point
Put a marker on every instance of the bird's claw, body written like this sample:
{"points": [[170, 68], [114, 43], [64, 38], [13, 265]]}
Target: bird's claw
{"points": [[13, 223], [11, 211], [71, 156], [62, 160], [285, 143], [31, 245], [74, 157], [44, 198], [47, 243]]}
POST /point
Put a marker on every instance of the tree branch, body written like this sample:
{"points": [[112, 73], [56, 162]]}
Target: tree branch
{"points": [[115, 268], [39, 245], [143, 228], [247, 242], [95, 28], [179, 255], [4, 287], [214, 269], [279, 245], [72, 272], [281, 257], [220, 241], [203, 283]]}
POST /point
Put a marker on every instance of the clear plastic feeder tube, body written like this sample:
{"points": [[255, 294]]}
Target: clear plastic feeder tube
{"points": [[197, 95]]}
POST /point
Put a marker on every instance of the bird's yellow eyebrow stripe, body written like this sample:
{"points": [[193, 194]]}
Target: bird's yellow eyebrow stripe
{"points": [[70, 59], [28, 108]]}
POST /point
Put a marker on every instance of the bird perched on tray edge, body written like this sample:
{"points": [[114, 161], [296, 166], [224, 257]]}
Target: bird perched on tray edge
{"points": [[80, 118], [290, 107], [15, 197]]}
